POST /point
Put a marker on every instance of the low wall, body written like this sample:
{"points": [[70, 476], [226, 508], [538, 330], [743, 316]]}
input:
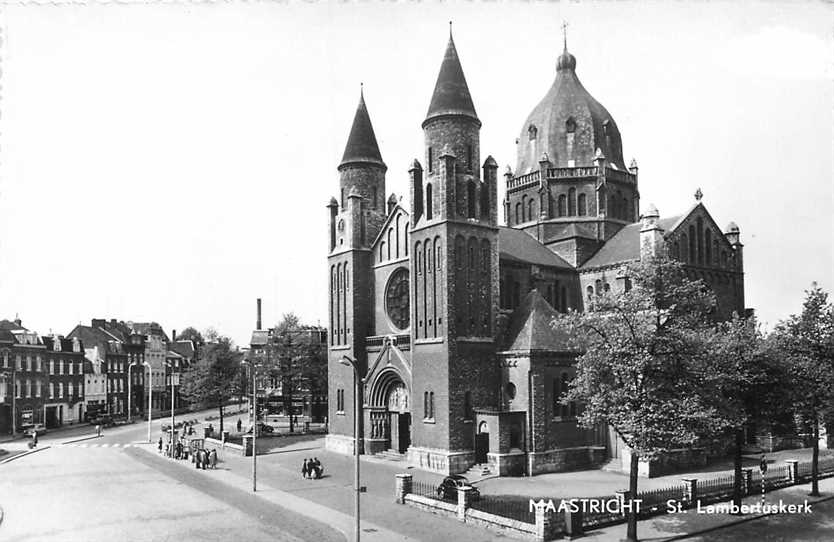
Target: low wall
{"points": [[566, 459], [441, 461], [504, 525], [774, 443], [667, 463], [511, 464]]}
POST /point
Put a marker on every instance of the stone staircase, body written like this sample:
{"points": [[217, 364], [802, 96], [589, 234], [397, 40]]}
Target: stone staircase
{"points": [[613, 465], [478, 472], [390, 455]]}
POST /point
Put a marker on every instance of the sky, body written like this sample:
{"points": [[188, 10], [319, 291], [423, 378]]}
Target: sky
{"points": [[172, 161]]}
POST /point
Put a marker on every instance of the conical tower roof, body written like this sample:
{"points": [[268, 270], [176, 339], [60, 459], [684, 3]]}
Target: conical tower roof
{"points": [[451, 93], [361, 146]]}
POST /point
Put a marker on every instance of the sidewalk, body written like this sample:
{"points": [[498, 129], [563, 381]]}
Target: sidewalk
{"points": [[342, 522], [691, 523]]}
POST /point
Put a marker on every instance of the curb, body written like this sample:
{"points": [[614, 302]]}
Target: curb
{"points": [[24, 454], [732, 523], [80, 439]]}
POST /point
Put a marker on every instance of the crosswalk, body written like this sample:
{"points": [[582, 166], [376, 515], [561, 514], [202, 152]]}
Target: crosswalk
{"points": [[98, 445]]}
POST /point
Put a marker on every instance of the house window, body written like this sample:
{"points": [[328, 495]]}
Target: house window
{"points": [[51, 390], [17, 363], [60, 366], [38, 363], [29, 363], [17, 388], [28, 388], [60, 389], [37, 388], [70, 389]]}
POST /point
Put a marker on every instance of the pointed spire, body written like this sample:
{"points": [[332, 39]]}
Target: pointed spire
{"points": [[361, 144], [566, 60], [451, 93]]}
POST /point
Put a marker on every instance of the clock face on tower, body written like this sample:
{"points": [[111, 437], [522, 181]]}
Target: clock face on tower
{"points": [[396, 298]]}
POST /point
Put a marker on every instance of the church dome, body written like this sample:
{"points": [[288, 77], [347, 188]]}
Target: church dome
{"points": [[569, 125]]}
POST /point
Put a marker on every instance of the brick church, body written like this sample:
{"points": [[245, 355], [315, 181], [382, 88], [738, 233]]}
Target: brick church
{"points": [[446, 311]]}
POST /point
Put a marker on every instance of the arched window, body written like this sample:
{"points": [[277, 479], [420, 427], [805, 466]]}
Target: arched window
{"points": [[390, 239], [684, 247], [470, 199], [429, 199], [373, 197], [590, 290], [570, 125], [700, 234], [676, 251], [532, 132], [524, 217], [563, 205], [582, 205], [708, 246], [431, 160], [518, 213], [598, 287], [551, 206], [572, 202], [606, 287], [381, 250], [417, 255], [484, 202], [531, 209], [692, 245]]}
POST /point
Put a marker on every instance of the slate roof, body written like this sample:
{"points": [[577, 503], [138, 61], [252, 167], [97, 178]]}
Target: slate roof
{"points": [[9, 325], [183, 348], [518, 245], [625, 245], [361, 145], [530, 327], [451, 93]]}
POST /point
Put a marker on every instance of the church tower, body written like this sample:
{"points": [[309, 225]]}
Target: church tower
{"points": [[354, 222], [571, 188], [454, 263]]}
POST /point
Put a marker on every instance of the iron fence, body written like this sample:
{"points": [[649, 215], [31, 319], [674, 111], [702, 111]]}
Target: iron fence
{"points": [[715, 488], [428, 490], [516, 509], [776, 477], [654, 500], [594, 519]]}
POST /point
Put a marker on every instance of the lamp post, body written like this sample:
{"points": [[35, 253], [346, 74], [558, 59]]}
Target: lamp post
{"points": [[358, 383], [171, 366], [253, 368]]}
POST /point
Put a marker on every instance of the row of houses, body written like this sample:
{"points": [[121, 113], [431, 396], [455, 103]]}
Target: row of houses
{"points": [[95, 370]]}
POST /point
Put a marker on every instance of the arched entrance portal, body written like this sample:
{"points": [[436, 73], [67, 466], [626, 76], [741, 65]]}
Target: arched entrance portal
{"points": [[399, 418], [482, 443], [390, 412]]}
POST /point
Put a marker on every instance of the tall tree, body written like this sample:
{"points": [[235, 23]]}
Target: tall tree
{"points": [[190, 334], [805, 343], [214, 378], [741, 382], [637, 374]]}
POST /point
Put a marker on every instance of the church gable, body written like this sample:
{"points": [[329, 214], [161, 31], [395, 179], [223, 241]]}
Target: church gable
{"points": [[391, 243], [696, 239]]}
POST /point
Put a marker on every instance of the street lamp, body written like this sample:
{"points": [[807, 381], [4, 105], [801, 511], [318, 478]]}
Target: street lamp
{"points": [[253, 368], [358, 383], [171, 366]]}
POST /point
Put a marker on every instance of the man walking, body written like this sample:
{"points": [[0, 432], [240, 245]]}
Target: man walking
{"points": [[239, 425], [159, 445]]}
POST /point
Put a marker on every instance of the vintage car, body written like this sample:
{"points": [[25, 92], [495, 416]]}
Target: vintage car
{"points": [[448, 488], [37, 429]]}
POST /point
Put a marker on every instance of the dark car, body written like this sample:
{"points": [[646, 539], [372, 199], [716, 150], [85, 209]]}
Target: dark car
{"points": [[104, 421], [263, 429], [448, 488]]}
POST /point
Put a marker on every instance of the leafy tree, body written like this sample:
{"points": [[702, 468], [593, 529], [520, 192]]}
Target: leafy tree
{"points": [[637, 373], [296, 359], [214, 378], [740, 380], [190, 334], [805, 343]]}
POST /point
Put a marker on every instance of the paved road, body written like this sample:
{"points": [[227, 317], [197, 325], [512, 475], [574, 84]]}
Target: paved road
{"points": [[107, 489]]}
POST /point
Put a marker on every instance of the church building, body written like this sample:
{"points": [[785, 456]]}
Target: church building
{"points": [[446, 312]]}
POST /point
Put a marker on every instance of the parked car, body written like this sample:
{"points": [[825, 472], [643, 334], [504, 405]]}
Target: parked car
{"points": [[38, 429], [263, 428], [448, 488], [104, 421]]}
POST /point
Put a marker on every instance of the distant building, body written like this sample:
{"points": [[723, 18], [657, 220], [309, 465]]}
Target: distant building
{"points": [[65, 400]]}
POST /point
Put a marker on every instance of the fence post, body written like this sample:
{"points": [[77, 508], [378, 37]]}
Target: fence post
{"points": [[793, 470], [573, 523], [690, 489], [622, 495], [464, 500], [746, 481], [403, 487]]}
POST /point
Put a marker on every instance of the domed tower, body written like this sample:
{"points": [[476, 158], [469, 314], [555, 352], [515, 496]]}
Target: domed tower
{"points": [[571, 187]]}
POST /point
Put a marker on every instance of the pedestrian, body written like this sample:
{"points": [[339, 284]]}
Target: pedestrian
{"points": [[317, 467], [239, 425], [179, 450], [305, 469], [159, 445], [213, 458], [197, 458], [34, 438], [98, 430]]}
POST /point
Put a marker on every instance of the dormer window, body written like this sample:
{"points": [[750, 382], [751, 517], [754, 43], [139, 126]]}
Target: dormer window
{"points": [[570, 125], [532, 132]]}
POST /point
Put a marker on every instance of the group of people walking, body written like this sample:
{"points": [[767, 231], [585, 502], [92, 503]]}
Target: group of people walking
{"points": [[201, 458], [312, 468]]}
